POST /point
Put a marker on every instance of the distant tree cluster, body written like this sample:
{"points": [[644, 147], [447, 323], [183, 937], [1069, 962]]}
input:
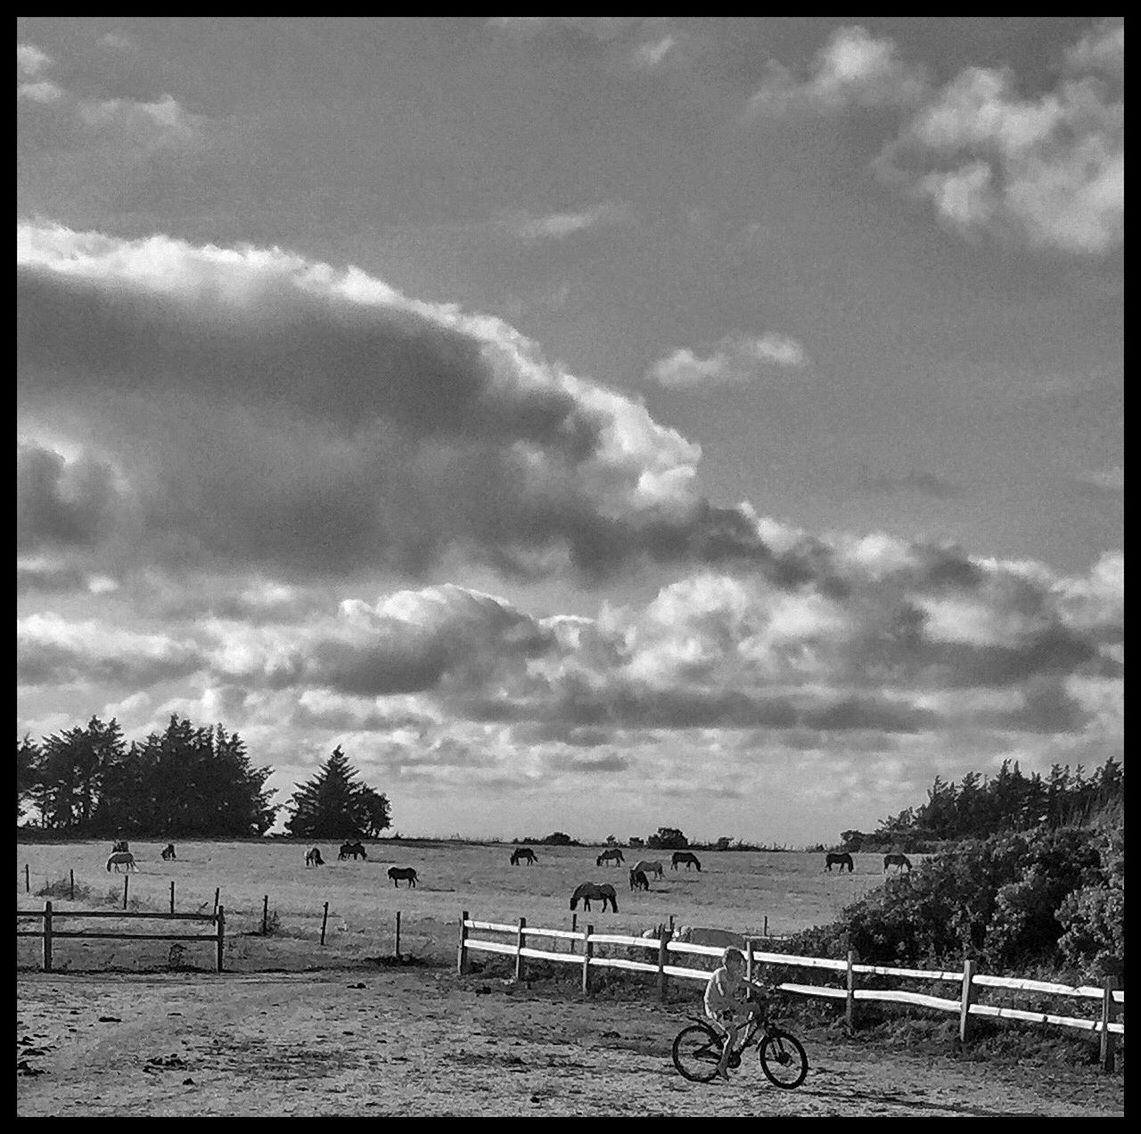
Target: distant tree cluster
{"points": [[978, 807], [333, 805], [186, 781]]}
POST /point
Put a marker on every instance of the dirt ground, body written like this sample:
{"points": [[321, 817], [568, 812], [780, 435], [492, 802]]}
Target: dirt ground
{"points": [[424, 1041]]}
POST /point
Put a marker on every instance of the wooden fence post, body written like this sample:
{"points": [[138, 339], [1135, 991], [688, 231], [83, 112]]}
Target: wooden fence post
{"points": [[264, 911], [766, 926], [967, 999], [398, 935], [71, 892], [1108, 1011], [217, 892], [462, 960], [519, 936], [172, 895], [47, 937], [663, 946], [126, 879], [221, 918], [324, 922], [850, 999], [748, 958], [587, 949], [27, 879]]}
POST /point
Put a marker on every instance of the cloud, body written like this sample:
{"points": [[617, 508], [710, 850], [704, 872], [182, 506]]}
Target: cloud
{"points": [[558, 226], [1109, 481], [853, 69], [915, 481], [264, 411], [30, 60], [1046, 171], [733, 360]]}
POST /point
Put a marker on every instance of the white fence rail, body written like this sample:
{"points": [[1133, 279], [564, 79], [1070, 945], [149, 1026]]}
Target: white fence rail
{"points": [[583, 943]]}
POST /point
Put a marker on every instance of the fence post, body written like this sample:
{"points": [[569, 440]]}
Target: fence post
{"points": [[47, 937], [519, 936], [398, 935], [462, 960], [221, 919], [663, 945], [1108, 1011], [766, 927], [126, 879], [71, 892], [217, 892], [850, 1000], [264, 911], [172, 895], [967, 1000], [748, 958], [587, 949], [324, 922]]}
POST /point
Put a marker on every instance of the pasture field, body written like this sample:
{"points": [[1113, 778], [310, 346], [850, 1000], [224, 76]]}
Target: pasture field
{"points": [[734, 890]]}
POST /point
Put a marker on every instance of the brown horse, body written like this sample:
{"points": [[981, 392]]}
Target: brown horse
{"points": [[355, 850], [650, 867], [591, 891], [396, 873], [524, 854], [313, 858], [840, 860], [688, 857], [613, 855], [638, 880], [899, 861], [124, 859], [168, 852]]}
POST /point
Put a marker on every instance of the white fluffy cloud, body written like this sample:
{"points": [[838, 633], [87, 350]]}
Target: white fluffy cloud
{"points": [[734, 360]]}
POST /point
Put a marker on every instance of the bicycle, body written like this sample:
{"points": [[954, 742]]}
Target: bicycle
{"points": [[697, 1052]]}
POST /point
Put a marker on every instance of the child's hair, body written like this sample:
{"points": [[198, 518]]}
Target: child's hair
{"points": [[732, 951]]}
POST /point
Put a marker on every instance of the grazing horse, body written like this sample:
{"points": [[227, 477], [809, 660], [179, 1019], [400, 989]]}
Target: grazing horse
{"points": [[840, 860], [648, 868], [688, 857], [613, 855], [591, 891], [523, 853], [121, 858], [168, 852], [313, 858], [899, 861], [356, 850], [398, 872], [638, 880]]}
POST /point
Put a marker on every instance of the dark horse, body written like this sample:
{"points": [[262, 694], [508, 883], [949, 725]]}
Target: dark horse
{"points": [[523, 854], [638, 880], [899, 861], [313, 858], [356, 850], [396, 873], [120, 847], [688, 857], [840, 860], [613, 855], [168, 852], [591, 891]]}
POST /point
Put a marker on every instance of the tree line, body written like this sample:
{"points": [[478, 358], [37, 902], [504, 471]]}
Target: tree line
{"points": [[978, 807], [186, 781]]}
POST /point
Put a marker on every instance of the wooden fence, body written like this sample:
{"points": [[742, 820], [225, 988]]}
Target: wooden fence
{"points": [[582, 945], [50, 934]]}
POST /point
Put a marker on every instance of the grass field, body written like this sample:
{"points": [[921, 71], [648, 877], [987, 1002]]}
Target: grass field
{"points": [[735, 890]]}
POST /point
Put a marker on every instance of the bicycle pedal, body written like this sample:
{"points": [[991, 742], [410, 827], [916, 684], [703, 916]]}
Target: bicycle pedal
{"points": [[735, 1060]]}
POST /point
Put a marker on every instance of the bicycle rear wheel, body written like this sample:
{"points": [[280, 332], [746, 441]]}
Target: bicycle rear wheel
{"points": [[783, 1060], [696, 1052]]}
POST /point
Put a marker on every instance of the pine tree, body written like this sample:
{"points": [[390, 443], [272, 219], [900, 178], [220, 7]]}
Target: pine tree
{"points": [[333, 805]]}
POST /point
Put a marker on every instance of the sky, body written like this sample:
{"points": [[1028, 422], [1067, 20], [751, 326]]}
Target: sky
{"points": [[589, 424]]}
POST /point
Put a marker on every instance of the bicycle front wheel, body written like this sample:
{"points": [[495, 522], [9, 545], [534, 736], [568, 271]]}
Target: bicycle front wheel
{"points": [[696, 1052], [783, 1060]]}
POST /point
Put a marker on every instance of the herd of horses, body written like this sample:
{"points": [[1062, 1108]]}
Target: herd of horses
{"points": [[121, 857]]}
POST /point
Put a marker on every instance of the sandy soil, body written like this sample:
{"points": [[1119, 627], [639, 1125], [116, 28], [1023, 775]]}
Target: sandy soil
{"points": [[423, 1041]]}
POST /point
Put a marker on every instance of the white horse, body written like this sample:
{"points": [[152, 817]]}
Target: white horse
{"points": [[122, 858], [649, 868]]}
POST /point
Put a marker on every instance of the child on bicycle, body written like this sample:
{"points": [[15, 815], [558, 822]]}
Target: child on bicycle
{"points": [[725, 1005]]}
